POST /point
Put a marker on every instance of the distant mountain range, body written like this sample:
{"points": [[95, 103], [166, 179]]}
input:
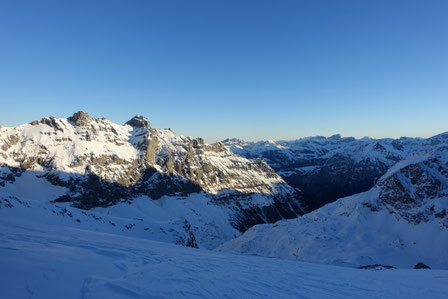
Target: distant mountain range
{"points": [[326, 169]]}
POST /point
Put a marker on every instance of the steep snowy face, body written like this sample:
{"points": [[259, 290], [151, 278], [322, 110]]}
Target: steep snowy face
{"points": [[326, 169], [403, 220], [92, 162]]}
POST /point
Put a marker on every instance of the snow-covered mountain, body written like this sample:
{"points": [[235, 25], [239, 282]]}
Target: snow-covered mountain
{"points": [[401, 221], [138, 177], [84, 203], [139, 181], [326, 169]]}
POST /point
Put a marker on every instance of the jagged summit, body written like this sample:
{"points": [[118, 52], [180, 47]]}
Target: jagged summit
{"points": [[139, 121], [80, 118], [83, 119]]}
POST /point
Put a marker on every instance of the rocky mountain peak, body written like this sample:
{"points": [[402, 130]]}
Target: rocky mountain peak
{"points": [[139, 121], [335, 137], [80, 118], [92, 162]]}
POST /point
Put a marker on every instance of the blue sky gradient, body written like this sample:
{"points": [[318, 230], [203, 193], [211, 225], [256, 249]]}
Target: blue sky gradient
{"points": [[217, 69]]}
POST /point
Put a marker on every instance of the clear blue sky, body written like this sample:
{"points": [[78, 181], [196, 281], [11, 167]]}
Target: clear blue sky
{"points": [[248, 69]]}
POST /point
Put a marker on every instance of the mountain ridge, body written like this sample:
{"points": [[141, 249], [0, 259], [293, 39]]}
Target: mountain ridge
{"points": [[94, 163]]}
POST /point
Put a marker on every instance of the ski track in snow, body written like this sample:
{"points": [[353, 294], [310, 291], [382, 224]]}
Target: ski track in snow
{"points": [[62, 262]]}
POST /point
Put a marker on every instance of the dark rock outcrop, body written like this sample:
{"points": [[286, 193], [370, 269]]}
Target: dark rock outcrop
{"points": [[139, 121], [376, 267], [52, 122], [80, 118], [427, 179], [420, 265]]}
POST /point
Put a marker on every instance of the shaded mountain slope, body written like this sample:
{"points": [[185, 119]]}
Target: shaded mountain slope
{"points": [[401, 221], [326, 169]]}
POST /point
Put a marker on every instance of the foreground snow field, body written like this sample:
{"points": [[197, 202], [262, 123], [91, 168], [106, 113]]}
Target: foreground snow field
{"points": [[49, 261]]}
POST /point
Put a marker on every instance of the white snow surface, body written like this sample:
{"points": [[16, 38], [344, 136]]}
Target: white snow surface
{"points": [[56, 261]]}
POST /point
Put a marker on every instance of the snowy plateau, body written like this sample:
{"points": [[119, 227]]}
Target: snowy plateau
{"points": [[93, 209]]}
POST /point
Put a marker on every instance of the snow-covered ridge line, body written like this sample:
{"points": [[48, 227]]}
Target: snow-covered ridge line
{"points": [[71, 145]]}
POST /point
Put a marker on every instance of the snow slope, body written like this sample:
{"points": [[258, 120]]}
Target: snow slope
{"points": [[190, 221], [403, 220], [63, 262]]}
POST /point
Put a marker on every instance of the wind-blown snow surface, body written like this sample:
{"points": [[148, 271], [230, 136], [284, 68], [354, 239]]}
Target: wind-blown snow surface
{"points": [[403, 220], [62, 262]]}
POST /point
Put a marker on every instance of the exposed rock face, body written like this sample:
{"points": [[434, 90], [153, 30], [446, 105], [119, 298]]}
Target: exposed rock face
{"points": [[420, 265], [139, 121], [12, 140], [326, 169], [101, 164], [429, 181], [198, 142], [50, 121], [376, 267], [80, 118]]}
